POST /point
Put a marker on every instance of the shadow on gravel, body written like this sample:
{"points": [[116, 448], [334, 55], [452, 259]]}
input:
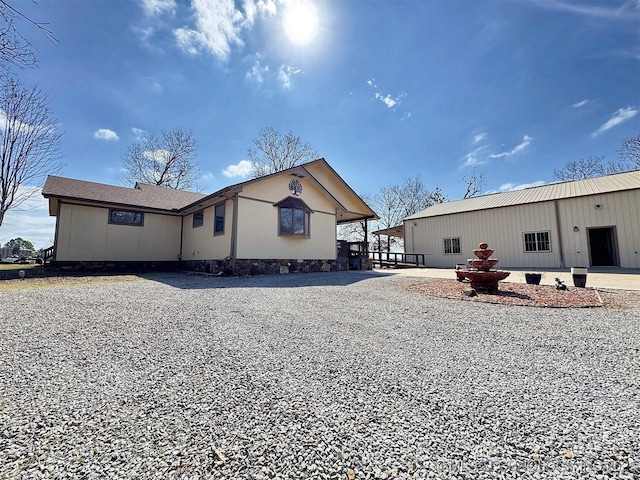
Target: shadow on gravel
{"points": [[293, 280]]}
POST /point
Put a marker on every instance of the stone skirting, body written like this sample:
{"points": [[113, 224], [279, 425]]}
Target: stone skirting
{"points": [[266, 267]]}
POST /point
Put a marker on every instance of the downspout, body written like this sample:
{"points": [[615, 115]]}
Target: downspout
{"points": [[560, 252], [234, 233], [181, 237]]}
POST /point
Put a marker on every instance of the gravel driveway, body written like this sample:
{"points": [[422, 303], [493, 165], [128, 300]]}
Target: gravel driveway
{"points": [[332, 376]]}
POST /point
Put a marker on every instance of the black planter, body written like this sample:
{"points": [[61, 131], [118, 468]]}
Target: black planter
{"points": [[533, 278]]}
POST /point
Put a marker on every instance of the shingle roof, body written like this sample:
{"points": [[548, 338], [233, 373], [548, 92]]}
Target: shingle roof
{"points": [[553, 191], [142, 195]]}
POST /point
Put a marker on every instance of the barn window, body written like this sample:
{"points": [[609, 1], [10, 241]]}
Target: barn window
{"points": [[218, 224], [293, 218], [537, 242], [198, 218], [452, 245], [126, 217]]}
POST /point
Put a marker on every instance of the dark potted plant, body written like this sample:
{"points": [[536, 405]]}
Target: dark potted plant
{"points": [[533, 278]]}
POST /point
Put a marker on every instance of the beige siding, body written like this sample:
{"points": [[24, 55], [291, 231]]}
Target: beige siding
{"points": [[336, 187], [200, 243], [503, 229], [620, 210], [84, 234], [258, 222]]}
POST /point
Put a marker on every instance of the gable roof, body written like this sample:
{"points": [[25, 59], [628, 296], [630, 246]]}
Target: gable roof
{"points": [[554, 191], [142, 195], [181, 201], [306, 170]]}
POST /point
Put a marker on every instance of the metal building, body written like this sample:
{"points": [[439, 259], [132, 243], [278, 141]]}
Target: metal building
{"points": [[592, 222]]}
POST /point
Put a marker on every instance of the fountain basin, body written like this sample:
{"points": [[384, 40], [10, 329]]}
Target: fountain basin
{"points": [[485, 281]]}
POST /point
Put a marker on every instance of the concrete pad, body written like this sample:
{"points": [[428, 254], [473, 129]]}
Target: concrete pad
{"points": [[597, 277]]}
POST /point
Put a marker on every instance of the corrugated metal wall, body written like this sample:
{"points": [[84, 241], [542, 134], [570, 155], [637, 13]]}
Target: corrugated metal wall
{"points": [[504, 228]]}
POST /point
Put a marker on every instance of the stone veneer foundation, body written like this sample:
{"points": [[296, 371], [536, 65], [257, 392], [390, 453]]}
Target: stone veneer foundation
{"points": [[266, 267]]}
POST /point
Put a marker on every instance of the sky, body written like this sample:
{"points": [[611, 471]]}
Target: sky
{"points": [[383, 90]]}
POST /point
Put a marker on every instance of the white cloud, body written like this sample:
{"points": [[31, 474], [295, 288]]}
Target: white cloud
{"points": [[257, 72], [30, 221], [285, 72], [510, 187], [138, 132], [479, 137], [581, 103], [389, 101], [622, 115], [219, 25], [627, 11], [157, 7], [526, 141], [105, 134], [242, 170]]}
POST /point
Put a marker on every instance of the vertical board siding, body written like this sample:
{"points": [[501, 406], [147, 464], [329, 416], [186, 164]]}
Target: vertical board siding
{"points": [[503, 229]]}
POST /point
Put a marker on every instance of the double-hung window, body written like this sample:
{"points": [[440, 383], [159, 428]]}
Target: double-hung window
{"points": [[537, 242], [452, 245]]}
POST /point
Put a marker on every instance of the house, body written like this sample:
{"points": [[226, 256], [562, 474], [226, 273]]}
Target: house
{"points": [[592, 222], [282, 222]]}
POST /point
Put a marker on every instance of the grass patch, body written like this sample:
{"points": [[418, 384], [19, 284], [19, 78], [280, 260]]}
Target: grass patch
{"points": [[62, 281]]}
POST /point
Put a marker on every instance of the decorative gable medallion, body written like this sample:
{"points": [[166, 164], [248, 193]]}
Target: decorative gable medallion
{"points": [[295, 187]]}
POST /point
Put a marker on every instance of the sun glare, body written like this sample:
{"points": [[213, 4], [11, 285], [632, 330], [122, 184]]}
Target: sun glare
{"points": [[301, 22]]}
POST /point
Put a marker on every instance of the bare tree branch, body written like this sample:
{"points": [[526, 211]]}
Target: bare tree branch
{"points": [[15, 48], [629, 152], [30, 144], [474, 184], [166, 160], [275, 152], [586, 167]]}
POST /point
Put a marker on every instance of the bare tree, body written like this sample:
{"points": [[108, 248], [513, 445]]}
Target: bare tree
{"points": [[629, 152], [274, 152], [166, 160], [30, 144], [15, 49], [474, 183], [396, 202], [586, 167]]}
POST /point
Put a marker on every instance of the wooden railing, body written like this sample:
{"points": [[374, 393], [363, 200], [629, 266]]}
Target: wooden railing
{"points": [[47, 254], [398, 259]]}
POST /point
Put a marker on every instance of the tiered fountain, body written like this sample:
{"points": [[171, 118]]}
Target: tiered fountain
{"points": [[483, 278]]}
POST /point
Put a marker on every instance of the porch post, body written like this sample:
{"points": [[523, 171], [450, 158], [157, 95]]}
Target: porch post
{"points": [[366, 237]]}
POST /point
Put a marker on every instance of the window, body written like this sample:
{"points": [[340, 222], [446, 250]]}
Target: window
{"points": [[218, 224], [452, 245], [537, 242], [198, 218], [293, 217], [294, 221], [126, 217]]}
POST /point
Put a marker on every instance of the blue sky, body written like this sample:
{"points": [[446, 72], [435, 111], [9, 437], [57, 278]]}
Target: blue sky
{"points": [[384, 90]]}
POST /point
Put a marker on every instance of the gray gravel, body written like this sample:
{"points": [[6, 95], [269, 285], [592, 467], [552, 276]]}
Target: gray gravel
{"points": [[331, 376]]}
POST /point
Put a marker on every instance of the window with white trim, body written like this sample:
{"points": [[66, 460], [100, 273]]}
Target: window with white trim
{"points": [[536, 242], [452, 245]]}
